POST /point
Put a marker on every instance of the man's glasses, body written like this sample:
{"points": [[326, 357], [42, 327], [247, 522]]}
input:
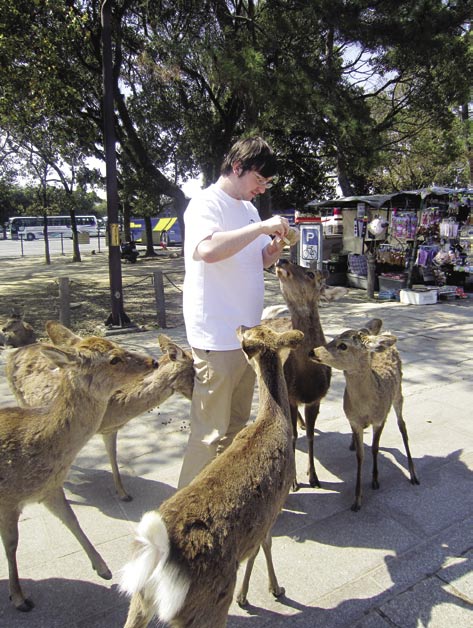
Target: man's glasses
{"points": [[263, 182]]}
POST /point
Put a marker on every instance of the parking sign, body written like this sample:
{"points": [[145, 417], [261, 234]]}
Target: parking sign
{"points": [[310, 249]]}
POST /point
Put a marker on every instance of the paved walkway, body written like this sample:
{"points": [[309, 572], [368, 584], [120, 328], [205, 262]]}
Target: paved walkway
{"points": [[404, 560]]}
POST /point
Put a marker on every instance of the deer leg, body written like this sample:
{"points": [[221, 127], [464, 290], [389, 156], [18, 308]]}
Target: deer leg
{"points": [[352, 443], [311, 413], [402, 428], [358, 437], [9, 534], [57, 503], [110, 442], [242, 599], [140, 612], [300, 421], [374, 452], [294, 415], [274, 587]]}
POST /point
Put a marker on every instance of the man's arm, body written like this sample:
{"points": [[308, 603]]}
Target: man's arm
{"points": [[224, 244]]}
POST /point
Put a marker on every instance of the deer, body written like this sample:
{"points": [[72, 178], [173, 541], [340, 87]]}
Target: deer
{"points": [[34, 382], [16, 332], [38, 445], [307, 381], [372, 368], [184, 564]]}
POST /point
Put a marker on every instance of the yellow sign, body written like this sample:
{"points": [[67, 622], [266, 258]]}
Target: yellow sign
{"points": [[114, 234]]}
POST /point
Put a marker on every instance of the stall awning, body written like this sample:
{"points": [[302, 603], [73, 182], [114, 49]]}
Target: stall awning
{"points": [[411, 197]]}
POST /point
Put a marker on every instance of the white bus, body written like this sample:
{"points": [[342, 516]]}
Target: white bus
{"points": [[31, 227]]}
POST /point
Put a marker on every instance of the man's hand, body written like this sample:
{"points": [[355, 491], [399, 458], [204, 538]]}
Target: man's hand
{"points": [[276, 226]]}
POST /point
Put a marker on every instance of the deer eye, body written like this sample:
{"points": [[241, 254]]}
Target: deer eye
{"points": [[342, 346], [310, 274], [115, 360]]}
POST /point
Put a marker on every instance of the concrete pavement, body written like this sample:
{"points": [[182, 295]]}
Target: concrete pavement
{"points": [[404, 560]]}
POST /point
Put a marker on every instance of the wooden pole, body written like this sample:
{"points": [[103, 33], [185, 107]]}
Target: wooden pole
{"points": [[64, 302], [160, 300]]}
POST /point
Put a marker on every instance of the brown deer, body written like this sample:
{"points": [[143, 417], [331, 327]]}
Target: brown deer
{"points": [[38, 445], [307, 381], [373, 374], [16, 332], [34, 382], [187, 552]]}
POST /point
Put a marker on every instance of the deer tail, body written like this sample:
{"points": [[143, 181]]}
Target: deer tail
{"points": [[151, 573]]}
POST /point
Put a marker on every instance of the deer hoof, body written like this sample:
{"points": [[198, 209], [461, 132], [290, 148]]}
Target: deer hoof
{"points": [[356, 507], [242, 601], [279, 592], [25, 606], [295, 487], [125, 498], [375, 484], [106, 574], [314, 483], [414, 480]]}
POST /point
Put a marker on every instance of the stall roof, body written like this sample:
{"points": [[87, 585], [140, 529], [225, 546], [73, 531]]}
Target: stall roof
{"points": [[379, 200]]}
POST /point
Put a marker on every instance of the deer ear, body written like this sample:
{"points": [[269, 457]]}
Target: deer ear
{"points": [[59, 357], [60, 335], [373, 326], [175, 352], [380, 343]]}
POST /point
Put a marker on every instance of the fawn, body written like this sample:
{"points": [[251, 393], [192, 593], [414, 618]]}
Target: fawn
{"points": [[307, 382], [186, 555], [372, 368], [33, 382], [38, 445]]}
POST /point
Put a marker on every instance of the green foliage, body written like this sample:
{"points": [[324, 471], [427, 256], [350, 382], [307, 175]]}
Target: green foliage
{"points": [[191, 76]]}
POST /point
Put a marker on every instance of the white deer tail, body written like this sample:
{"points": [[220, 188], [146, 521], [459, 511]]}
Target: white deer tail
{"points": [[150, 571]]}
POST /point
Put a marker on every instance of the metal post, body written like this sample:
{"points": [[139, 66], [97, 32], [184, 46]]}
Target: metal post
{"points": [[118, 316], [20, 235]]}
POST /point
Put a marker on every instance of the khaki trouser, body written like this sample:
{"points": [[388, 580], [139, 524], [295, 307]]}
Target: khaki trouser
{"points": [[221, 405]]}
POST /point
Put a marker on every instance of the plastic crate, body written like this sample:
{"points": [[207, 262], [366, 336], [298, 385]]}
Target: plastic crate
{"points": [[390, 283]]}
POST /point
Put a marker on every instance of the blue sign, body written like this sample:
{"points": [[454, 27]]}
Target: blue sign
{"points": [[310, 245]]}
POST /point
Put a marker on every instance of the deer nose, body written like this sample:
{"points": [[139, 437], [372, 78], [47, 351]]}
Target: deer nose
{"points": [[154, 364], [282, 262]]}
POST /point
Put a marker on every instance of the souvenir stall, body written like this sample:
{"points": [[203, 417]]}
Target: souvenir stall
{"points": [[420, 237]]}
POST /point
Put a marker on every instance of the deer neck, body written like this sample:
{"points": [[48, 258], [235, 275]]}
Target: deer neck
{"points": [[273, 397], [360, 379], [78, 408], [139, 396], [306, 318]]}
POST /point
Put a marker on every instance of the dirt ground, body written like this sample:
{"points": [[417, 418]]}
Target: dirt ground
{"points": [[31, 287]]}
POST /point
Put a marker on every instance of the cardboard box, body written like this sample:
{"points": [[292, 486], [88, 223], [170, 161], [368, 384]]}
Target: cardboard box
{"points": [[418, 297]]}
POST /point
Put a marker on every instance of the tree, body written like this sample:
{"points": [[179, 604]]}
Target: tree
{"points": [[191, 76]]}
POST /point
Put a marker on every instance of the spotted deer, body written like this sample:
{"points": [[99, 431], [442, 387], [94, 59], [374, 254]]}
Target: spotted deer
{"points": [[186, 555], [307, 382], [38, 445], [34, 382], [372, 368]]}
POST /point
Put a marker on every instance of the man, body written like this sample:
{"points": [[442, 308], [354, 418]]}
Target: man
{"points": [[226, 249]]}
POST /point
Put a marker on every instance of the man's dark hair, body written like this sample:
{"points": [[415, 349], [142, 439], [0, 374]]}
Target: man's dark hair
{"points": [[253, 153]]}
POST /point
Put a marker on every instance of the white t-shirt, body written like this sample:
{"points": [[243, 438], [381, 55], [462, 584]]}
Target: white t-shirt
{"points": [[221, 296]]}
